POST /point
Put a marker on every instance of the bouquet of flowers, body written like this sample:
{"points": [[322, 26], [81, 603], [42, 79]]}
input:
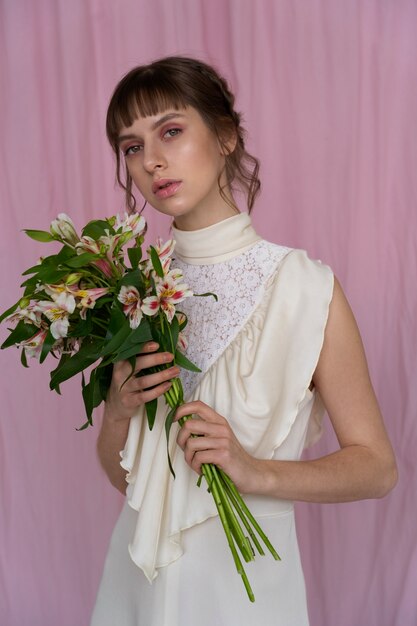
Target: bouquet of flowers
{"points": [[97, 302]]}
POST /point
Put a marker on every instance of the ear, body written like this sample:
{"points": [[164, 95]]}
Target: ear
{"points": [[228, 143]]}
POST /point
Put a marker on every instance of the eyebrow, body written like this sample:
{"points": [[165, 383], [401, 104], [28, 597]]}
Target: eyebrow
{"points": [[155, 125]]}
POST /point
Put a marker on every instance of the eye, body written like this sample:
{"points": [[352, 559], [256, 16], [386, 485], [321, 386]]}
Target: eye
{"points": [[172, 132], [132, 149]]}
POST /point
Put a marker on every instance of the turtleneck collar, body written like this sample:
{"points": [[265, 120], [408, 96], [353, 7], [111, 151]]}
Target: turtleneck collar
{"points": [[214, 244]]}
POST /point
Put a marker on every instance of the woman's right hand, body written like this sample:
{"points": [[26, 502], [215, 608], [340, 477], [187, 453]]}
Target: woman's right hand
{"points": [[122, 402]]}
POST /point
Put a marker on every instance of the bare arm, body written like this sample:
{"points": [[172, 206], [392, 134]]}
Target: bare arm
{"points": [[364, 467], [123, 403]]}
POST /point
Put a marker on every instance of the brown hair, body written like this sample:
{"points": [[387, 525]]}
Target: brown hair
{"points": [[177, 82]]}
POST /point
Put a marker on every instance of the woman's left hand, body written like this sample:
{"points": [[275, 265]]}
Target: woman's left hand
{"points": [[216, 443]]}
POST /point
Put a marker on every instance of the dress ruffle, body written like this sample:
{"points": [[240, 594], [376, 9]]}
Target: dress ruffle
{"points": [[269, 366]]}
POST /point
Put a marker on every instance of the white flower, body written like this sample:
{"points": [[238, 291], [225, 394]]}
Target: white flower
{"points": [[130, 298], [58, 312]]}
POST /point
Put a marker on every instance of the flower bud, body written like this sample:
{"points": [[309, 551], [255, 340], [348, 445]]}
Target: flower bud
{"points": [[73, 278], [24, 302], [64, 229]]}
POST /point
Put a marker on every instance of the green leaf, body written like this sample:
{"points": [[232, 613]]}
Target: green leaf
{"points": [[133, 342], [9, 311], [168, 423], [175, 330], [96, 229], [82, 259], [133, 278], [117, 319], [32, 270], [86, 356], [135, 255], [39, 235], [126, 354], [23, 359], [117, 340], [156, 262], [84, 426], [103, 378], [47, 346], [91, 395], [48, 276], [151, 407], [182, 361], [22, 332], [83, 328]]}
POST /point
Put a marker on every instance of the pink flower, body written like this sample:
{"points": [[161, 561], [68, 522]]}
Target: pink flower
{"points": [[29, 314], [89, 298], [169, 292], [130, 298], [88, 244], [33, 345]]}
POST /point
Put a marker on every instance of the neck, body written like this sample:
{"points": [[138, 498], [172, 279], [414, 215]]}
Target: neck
{"points": [[196, 220]]}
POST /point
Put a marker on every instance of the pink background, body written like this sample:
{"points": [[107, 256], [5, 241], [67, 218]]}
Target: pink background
{"points": [[329, 93]]}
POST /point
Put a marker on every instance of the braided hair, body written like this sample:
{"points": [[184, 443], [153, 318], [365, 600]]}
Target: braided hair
{"points": [[177, 82]]}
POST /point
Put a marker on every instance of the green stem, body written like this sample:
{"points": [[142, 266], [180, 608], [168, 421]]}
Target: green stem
{"points": [[249, 515], [241, 540], [236, 502], [206, 469]]}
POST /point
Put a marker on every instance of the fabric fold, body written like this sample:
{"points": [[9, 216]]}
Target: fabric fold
{"points": [[269, 365]]}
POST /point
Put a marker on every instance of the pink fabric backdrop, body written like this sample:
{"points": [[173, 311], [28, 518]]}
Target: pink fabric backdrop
{"points": [[329, 92]]}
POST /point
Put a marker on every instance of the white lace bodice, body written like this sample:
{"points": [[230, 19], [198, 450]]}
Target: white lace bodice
{"points": [[238, 284]]}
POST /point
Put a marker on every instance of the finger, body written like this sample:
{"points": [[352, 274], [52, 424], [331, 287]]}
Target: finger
{"points": [[149, 346], [151, 360], [217, 457], [151, 380], [201, 409], [200, 444], [141, 397], [198, 428]]}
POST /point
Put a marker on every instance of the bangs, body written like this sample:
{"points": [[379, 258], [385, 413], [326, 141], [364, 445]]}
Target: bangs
{"points": [[141, 96]]}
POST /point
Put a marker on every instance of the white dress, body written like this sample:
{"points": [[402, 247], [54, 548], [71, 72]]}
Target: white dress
{"points": [[168, 562]]}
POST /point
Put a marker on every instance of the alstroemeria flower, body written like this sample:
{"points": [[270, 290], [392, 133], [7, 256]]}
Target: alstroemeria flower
{"points": [[28, 314], [33, 345], [63, 227], [164, 249], [168, 293], [130, 298], [88, 244], [58, 312], [135, 223], [89, 298]]}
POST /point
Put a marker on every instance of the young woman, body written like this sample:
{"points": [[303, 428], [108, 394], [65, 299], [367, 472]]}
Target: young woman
{"points": [[278, 347]]}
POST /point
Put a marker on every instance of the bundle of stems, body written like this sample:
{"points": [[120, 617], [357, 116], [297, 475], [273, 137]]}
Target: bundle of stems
{"points": [[232, 509]]}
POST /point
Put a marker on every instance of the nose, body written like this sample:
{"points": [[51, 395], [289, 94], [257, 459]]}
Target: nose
{"points": [[153, 158]]}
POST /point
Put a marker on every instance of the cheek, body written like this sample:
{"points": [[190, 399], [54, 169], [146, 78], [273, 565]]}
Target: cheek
{"points": [[200, 154]]}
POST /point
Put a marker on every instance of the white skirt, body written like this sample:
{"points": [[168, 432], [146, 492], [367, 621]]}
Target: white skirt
{"points": [[202, 587]]}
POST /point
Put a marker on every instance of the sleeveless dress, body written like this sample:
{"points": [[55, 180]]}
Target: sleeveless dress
{"points": [[168, 562]]}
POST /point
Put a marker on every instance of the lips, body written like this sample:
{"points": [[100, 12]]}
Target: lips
{"points": [[165, 187], [163, 183]]}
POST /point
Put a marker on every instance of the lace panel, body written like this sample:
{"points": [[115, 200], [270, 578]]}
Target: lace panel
{"points": [[238, 284]]}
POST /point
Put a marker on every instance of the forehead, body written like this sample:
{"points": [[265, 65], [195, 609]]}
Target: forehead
{"points": [[153, 122]]}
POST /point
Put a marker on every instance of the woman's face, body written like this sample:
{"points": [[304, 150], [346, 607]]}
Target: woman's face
{"points": [[175, 162]]}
